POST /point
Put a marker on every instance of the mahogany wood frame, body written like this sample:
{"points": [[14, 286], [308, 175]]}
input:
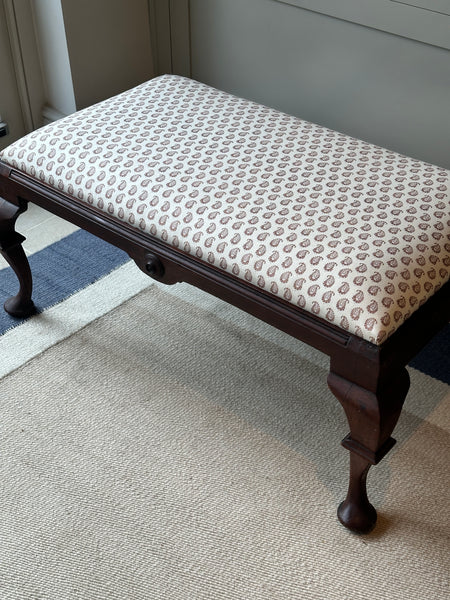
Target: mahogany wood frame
{"points": [[370, 381]]}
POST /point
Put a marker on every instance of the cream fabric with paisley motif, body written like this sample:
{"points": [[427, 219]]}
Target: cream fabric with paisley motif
{"points": [[353, 233]]}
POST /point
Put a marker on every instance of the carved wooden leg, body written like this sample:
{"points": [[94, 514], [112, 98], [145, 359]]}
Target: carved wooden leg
{"points": [[20, 305], [356, 512], [372, 417]]}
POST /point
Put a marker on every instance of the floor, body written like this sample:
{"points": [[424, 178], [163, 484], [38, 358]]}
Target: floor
{"points": [[40, 228]]}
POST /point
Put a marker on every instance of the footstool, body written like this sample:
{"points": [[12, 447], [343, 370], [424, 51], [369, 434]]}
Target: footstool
{"points": [[337, 242]]}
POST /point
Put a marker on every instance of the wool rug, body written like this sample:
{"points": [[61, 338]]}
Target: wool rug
{"points": [[158, 443]]}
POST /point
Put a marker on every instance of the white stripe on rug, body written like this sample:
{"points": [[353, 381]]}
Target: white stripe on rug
{"points": [[21, 344], [69, 316]]}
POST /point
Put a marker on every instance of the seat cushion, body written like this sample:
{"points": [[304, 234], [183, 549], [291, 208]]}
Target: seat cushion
{"points": [[351, 232]]}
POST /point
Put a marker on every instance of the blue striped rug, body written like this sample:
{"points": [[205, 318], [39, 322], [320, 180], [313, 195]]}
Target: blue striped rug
{"points": [[80, 259], [60, 270]]}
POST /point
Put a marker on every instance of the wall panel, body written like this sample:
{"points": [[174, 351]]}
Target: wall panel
{"points": [[368, 83]]}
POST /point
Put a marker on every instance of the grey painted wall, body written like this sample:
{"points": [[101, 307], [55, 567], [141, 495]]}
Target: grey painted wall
{"points": [[109, 46], [373, 85]]}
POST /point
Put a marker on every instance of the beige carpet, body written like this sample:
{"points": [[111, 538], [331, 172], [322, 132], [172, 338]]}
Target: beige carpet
{"points": [[179, 449]]}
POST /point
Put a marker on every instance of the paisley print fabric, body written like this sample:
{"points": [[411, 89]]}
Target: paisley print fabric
{"points": [[353, 233]]}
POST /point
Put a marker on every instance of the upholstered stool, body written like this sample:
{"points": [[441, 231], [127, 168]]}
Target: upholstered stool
{"points": [[338, 242]]}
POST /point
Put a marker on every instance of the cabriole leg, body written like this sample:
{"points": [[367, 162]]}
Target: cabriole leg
{"points": [[356, 512], [20, 305], [372, 417]]}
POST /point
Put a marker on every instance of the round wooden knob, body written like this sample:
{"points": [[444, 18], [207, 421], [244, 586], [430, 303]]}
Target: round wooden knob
{"points": [[153, 266]]}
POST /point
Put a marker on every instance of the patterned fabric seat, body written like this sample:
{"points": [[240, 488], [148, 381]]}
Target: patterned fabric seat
{"points": [[353, 233]]}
